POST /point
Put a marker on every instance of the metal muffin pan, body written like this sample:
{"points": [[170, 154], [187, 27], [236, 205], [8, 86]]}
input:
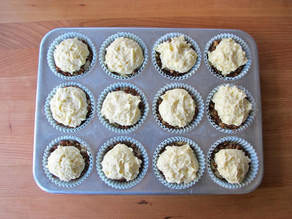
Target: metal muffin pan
{"points": [[149, 134]]}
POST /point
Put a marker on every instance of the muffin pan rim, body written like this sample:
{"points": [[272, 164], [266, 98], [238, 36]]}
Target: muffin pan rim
{"points": [[149, 134]]}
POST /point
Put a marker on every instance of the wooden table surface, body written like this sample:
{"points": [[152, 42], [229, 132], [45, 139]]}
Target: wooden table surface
{"points": [[23, 23]]}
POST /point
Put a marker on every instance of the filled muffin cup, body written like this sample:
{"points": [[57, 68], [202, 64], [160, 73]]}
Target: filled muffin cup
{"points": [[215, 120], [232, 142], [240, 71], [85, 151], [129, 89], [61, 127], [199, 111], [139, 152], [171, 74], [85, 69], [107, 43], [178, 141]]}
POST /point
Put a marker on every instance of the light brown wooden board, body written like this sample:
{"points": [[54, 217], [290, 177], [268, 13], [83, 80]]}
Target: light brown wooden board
{"points": [[24, 23]]}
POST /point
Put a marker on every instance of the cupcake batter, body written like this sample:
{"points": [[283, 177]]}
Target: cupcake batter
{"points": [[177, 55], [70, 55], [123, 56], [177, 107], [178, 164]]}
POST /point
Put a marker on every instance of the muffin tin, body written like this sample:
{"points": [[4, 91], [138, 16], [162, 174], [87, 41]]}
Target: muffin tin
{"points": [[149, 134]]}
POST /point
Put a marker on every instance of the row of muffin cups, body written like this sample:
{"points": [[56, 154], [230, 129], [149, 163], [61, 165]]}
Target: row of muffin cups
{"points": [[140, 151], [129, 87], [239, 73]]}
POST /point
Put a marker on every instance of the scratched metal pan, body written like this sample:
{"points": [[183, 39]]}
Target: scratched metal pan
{"points": [[149, 134]]}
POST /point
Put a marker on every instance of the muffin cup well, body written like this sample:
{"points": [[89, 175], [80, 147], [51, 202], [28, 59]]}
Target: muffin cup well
{"points": [[116, 127], [198, 101], [199, 155], [59, 126], [108, 41], [57, 41], [243, 45], [55, 179], [245, 124], [194, 46], [253, 165], [109, 145]]}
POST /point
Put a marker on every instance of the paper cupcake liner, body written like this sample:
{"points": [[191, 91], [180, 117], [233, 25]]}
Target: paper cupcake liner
{"points": [[253, 165], [57, 41], [113, 127], [55, 179], [61, 127], [115, 183], [243, 45], [193, 43], [109, 40], [199, 155], [198, 101], [245, 124]]}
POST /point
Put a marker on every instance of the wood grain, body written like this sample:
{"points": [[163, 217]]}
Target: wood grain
{"points": [[54, 10], [22, 26]]}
